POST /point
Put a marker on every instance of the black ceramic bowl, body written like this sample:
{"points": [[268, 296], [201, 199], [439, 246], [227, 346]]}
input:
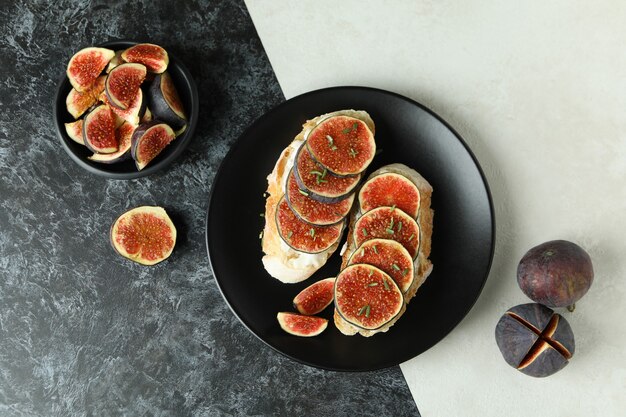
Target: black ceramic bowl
{"points": [[127, 170]]}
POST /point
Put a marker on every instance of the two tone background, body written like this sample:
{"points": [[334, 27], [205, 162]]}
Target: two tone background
{"points": [[538, 91]]}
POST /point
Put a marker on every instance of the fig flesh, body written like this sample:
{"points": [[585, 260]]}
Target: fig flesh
{"points": [[147, 116], [78, 103], [535, 340], [154, 57], [388, 223], [392, 190], [316, 297], [99, 130], [86, 65], [75, 131], [165, 102], [300, 325], [124, 135], [115, 61], [135, 111], [122, 84], [145, 235], [556, 273], [149, 140]]}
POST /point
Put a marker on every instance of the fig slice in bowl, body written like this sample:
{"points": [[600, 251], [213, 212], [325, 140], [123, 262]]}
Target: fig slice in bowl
{"points": [[154, 57], [86, 66], [124, 135], [165, 102], [149, 140], [145, 235], [99, 130], [122, 84]]}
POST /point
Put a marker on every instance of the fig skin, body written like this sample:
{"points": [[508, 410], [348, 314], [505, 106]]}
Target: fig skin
{"points": [[555, 273], [535, 340]]}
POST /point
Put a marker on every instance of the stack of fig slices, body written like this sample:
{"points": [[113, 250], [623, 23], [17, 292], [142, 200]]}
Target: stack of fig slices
{"points": [[320, 187], [124, 103], [373, 288]]}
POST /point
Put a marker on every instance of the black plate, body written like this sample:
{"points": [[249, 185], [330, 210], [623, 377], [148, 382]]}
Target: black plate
{"points": [[463, 237], [127, 170]]}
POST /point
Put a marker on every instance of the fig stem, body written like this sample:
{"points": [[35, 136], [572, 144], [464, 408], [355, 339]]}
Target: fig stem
{"points": [[571, 308]]}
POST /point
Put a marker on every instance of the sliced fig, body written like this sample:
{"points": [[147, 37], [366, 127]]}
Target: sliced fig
{"points": [[124, 135], [144, 234], [342, 144], [390, 257], [300, 325], [392, 190], [367, 297], [316, 297], [318, 182], [302, 236], [78, 103], [154, 57], [135, 111], [149, 140], [115, 61], [75, 131], [165, 102], [388, 223], [86, 65], [122, 84], [99, 130], [312, 211]]}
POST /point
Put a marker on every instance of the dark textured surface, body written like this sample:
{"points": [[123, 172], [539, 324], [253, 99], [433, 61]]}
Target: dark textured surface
{"points": [[82, 330]]}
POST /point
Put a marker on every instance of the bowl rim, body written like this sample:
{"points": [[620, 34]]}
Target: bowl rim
{"points": [[179, 145]]}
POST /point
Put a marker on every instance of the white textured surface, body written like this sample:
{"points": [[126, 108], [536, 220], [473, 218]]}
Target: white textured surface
{"points": [[538, 90]]}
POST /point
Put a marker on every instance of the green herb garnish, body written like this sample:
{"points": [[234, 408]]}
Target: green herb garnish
{"points": [[375, 250], [372, 284], [364, 231], [406, 271], [411, 237], [367, 311], [371, 273], [393, 208], [261, 235], [303, 192], [312, 232], [364, 308], [386, 285], [390, 231], [353, 153], [289, 234], [396, 267], [331, 143], [399, 226]]}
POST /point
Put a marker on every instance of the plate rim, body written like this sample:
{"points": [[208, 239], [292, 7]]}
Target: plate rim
{"points": [[258, 120]]}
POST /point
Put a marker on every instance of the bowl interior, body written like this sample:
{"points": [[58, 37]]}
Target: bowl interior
{"points": [[126, 169]]}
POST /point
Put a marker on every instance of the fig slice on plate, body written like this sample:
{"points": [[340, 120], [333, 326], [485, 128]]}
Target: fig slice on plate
{"points": [[366, 297], [124, 135], [392, 190], [122, 84], [316, 297], [165, 103], [154, 57], [86, 65], [312, 211], [318, 182], [78, 103], [144, 234], [388, 223], [300, 325], [75, 131], [302, 236], [149, 140], [344, 145], [99, 130], [390, 257]]}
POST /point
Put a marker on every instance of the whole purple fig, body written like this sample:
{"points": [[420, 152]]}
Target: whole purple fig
{"points": [[556, 273]]}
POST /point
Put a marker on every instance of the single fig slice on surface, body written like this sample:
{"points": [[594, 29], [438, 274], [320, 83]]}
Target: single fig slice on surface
{"points": [[99, 130], [388, 223], [75, 131], [300, 325], [78, 103], [122, 84], [313, 211], [392, 190], [165, 102], [318, 182], [535, 340], [115, 61], [390, 257], [316, 297], [149, 140], [86, 65], [344, 145], [556, 273], [144, 234], [124, 135], [367, 297], [154, 57]]}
